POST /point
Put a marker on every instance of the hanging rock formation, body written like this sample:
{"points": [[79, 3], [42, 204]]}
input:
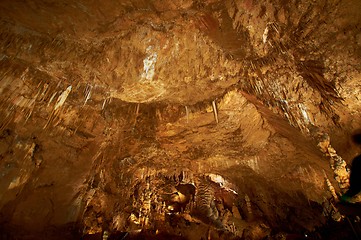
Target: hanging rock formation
{"points": [[180, 119]]}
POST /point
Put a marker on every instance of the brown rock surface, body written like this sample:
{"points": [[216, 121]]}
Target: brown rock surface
{"points": [[107, 106]]}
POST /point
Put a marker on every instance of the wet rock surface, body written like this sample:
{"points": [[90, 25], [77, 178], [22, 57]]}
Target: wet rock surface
{"points": [[178, 119]]}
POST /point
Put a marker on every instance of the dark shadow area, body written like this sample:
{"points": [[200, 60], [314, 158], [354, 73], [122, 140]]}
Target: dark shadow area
{"points": [[355, 175]]}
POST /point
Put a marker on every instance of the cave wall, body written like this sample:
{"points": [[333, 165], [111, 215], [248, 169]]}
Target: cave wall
{"points": [[101, 100]]}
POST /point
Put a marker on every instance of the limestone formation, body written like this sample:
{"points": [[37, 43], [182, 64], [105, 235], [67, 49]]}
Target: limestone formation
{"points": [[178, 119]]}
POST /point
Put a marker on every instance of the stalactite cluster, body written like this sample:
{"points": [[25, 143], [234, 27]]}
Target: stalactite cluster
{"points": [[179, 119]]}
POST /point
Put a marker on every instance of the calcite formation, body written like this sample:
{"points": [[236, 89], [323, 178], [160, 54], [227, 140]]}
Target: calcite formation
{"points": [[180, 119]]}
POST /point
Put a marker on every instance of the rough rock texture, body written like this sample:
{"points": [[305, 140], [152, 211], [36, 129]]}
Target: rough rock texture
{"points": [[177, 119]]}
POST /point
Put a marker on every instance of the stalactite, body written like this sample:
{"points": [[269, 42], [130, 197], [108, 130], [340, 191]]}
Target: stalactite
{"points": [[87, 93], [187, 113], [59, 103], [215, 112]]}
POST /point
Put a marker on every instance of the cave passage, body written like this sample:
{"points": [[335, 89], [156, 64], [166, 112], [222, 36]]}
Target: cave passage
{"points": [[180, 119]]}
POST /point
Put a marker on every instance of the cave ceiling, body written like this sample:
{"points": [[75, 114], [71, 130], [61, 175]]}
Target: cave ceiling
{"points": [[218, 119]]}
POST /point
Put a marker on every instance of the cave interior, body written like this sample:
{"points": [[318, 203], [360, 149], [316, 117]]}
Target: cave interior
{"points": [[179, 119]]}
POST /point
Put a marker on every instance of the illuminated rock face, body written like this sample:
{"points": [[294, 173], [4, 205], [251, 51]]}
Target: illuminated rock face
{"points": [[177, 119]]}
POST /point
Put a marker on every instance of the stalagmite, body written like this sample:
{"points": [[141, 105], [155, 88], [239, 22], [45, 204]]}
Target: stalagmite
{"points": [[248, 205], [331, 188], [126, 91]]}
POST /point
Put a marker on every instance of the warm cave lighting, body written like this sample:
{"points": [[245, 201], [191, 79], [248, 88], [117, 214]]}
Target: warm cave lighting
{"points": [[180, 119]]}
